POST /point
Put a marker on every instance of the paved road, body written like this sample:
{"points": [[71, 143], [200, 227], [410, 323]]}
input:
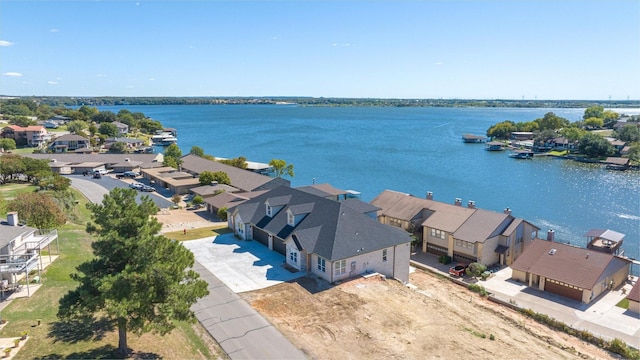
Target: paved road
{"points": [[239, 329], [95, 189]]}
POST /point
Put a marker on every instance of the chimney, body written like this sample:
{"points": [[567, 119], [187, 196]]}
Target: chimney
{"points": [[551, 235], [507, 211], [127, 159], [429, 195], [471, 204], [12, 218], [458, 202], [213, 183]]}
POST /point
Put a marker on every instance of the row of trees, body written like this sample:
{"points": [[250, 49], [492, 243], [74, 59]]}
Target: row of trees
{"points": [[591, 144]]}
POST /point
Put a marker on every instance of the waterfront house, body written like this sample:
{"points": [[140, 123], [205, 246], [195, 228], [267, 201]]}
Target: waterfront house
{"points": [[69, 142], [20, 248], [241, 179], [123, 129], [35, 135], [608, 241], [521, 135], [617, 163], [325, 190], [464, 233], [328, 238], [569, 271], [166, 177], [74, 163], [634, 298], [129, 142]]}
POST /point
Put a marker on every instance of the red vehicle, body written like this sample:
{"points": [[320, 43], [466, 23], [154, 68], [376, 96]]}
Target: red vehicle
{"points": [[458, 270]]}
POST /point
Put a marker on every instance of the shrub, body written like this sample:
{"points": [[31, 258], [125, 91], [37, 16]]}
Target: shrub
{"points": [[478, 288]]}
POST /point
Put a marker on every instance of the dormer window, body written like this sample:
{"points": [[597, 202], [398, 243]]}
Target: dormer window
{"points": [[269, 210], [291, 220]]}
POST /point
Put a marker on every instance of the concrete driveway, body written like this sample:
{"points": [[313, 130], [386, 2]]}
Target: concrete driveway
{"points": [[95, 189], [241, 265]]}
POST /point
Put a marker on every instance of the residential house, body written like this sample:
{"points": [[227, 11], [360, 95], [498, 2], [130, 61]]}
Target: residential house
{"points": [[464, 233], [325, 190], [327, 238], [20, 248], [227, 200], [521, 135], [123, 129], [69, 142], [634, 298], [129, 142], [178, 182], [617, 163], [35, 135], [569, 271], [212, 189], [74, 163], [241, 179]]}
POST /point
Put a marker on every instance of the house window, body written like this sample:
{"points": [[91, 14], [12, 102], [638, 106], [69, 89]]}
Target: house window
{"points": [[269, 211], [464, 244], [241, 228], [321, 264], [340, 267], [290, 218], [384, 254], [395, 222], [293, 256], [438, 234]]}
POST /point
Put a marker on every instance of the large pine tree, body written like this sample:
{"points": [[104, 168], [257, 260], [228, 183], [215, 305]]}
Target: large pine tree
{"points": [[140, 281]]}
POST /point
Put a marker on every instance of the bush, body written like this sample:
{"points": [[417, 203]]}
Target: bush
{"points": [[479, 289], [444, 259]]}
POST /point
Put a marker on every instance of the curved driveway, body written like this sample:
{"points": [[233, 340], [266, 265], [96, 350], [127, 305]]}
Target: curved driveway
{"points": [[239, 329]]}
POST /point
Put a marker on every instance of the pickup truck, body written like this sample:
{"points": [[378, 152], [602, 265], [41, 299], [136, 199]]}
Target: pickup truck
{"points": [[458, 270]]}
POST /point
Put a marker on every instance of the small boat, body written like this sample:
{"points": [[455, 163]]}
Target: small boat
{"points": [[521, 154], [164, 139]]}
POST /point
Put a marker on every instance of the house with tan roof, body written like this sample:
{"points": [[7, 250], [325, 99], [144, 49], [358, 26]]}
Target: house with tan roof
{"points": [[464, 233], [570, 271], [69, 142], [227, 200]]}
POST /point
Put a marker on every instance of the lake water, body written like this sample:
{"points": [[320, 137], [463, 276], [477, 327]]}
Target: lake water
{"points": [[415, 150]]}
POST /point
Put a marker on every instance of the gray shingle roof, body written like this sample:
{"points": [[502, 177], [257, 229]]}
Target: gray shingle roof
{"points": [[244, 180], [9, 232], [332, 230]]}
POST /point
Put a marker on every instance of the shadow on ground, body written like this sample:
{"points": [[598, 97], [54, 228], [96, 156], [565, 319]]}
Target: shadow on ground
{"points": [[103, 352], [81, 329], [312, 284]]}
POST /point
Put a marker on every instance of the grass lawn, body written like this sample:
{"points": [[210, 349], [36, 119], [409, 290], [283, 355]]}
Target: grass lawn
{"points": [[9, 191], [198, 233], [94, 339], [624, 303]]}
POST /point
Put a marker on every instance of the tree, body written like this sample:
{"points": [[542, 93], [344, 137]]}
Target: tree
{"points": [[634, 153], [207, 177], [281, 168], [118, 147], [593, 111], [55, 182], [176, 198], [108, 129], [594, 145], [594, 122], [10, 167], [609, 117], [197, 200], [502, 130], [38, 210], [197, 151], [239, 162], [22, 121], [551, 121], [7, 144], [104, 117], [76, 126], [476, 269], [628, 133], [572, 134], [172, 156], [93, 129], [138, 280], [36, 169], [88, 112], [223, 214]]}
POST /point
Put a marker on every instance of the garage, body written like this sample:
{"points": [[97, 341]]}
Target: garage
{"points": [[562, 289], [437, 250], [261, 236], [279, 246]]}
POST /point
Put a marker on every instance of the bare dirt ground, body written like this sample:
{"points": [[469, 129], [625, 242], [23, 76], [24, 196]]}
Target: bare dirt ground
{"points": [[178, 219], [383, 319]]}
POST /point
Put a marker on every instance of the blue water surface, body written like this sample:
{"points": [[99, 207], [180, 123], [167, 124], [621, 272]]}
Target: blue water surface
{"points": [[415, 150]]}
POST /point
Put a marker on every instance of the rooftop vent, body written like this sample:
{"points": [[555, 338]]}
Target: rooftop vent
{"points": [[429, 195], [552, 251], [458, 202]]}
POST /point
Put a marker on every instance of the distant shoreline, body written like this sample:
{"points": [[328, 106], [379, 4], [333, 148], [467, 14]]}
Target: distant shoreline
{"points": [[324, 102]]}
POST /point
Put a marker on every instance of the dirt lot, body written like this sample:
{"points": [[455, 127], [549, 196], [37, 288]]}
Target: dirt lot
{"points": [[178, 219], [377, 319]]}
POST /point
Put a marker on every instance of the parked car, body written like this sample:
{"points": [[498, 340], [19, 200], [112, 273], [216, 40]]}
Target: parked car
{"points": [[128, 174], [458, 270], [136, 186], [148, 188]]}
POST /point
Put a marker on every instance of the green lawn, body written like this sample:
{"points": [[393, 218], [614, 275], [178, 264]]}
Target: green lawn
{"points": [[9, 191], [199, 233], [92, 339]]}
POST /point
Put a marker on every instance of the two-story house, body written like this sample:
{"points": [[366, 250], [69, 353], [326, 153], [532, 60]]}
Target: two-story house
{"points": [[35, 135], [70, 142], [464, 233], [334, 240]]}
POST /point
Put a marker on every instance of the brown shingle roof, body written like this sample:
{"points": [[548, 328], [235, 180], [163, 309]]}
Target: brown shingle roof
{"points": [[569, 264], [482, 225]]}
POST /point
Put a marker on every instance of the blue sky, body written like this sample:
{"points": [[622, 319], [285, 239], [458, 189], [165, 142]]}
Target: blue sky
{"points": [[473, 49]]}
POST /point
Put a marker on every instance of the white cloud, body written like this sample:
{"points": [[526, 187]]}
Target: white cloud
{"points": [[5, 43], [439, 63], [341, 45], [12, 74], [152, 79], [130, 87], [101, 75], [54, 30], [52, 82]]}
